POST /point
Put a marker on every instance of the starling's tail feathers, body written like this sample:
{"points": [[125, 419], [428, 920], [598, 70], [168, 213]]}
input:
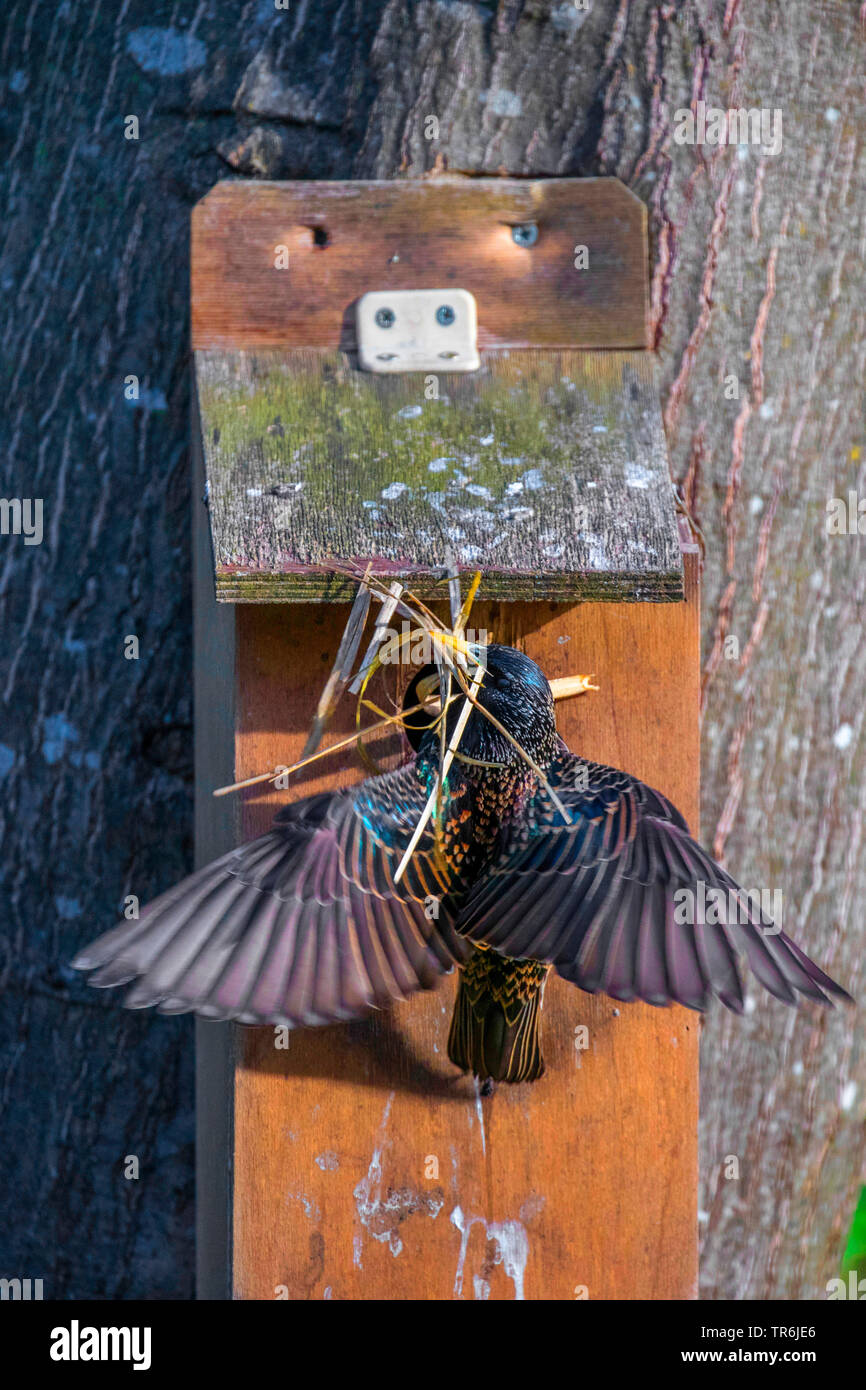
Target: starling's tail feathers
{"points": [[496, 1025]]}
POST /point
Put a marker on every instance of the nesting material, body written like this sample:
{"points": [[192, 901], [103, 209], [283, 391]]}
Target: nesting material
{"points": [[461, 669]]}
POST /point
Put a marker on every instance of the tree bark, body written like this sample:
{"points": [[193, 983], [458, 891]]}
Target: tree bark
{"points": [[757, 286]]}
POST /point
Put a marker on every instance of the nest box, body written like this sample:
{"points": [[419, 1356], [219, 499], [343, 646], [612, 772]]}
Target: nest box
{"points": [[404, 375]]}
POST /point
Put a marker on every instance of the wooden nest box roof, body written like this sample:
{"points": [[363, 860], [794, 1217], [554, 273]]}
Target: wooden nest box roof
{"points": [[546, 468]]}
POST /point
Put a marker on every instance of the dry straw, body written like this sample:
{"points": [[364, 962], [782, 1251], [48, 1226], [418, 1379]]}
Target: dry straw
{"points": [[457, 661]]}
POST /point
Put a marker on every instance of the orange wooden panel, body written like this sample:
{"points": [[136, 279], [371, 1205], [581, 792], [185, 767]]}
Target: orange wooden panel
{"points": [[365, 1166], [419, 233]]}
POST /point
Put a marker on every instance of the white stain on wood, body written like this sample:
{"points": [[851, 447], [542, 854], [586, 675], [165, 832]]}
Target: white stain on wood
{"points": [[328, 1161], [511, 1244], [382, 1209], [311, 1210], [368, 1193]]}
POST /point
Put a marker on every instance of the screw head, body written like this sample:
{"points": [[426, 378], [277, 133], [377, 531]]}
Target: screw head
{"points": [[526, 234], [385, 318], [445, 315]]}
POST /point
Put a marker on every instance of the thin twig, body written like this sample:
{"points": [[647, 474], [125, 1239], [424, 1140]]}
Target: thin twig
{"points": [[442, 774], [453, 588], [563, 687], [386, 613], [451, 655], [521, 750], [463, 615], [432, 707], [342, 669], [332, 748]]}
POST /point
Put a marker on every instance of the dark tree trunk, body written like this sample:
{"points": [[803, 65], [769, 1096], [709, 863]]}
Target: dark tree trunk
{"points": [[758, 276]]}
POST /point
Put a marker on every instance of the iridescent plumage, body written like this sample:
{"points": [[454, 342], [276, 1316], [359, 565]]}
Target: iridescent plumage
{"points": [[306, 925]]}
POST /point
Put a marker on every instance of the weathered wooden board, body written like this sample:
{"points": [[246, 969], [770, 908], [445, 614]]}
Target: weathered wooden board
{"points": [[365, 1166], [217, 826], [546, 469], [343, 239]]}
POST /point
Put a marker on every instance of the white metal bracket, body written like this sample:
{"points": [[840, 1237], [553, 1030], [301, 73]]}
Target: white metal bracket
{"points": [[418, 331]]}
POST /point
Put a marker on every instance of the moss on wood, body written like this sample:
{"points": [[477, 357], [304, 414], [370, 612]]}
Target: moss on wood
{"points": [[547, 470]]}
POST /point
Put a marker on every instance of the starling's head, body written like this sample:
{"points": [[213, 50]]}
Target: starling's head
{"points": [[516, 693]]}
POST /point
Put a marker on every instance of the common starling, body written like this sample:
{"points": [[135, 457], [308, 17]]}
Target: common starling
{"points": [[306, 925]]}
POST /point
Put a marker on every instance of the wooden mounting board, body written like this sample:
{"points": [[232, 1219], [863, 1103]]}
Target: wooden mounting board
{"points": [[417, 234], [548, 470], [587, 1179]]}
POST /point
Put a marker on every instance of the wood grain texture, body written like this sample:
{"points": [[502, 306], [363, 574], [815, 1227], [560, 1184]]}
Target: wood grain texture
{"points": [[546, 470], [366, 1167], [758, 270], [411, 234], [760, 277]]}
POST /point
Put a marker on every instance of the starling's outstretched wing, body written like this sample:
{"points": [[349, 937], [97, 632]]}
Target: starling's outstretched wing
{"points": [[622, 900], [304, 925]]}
